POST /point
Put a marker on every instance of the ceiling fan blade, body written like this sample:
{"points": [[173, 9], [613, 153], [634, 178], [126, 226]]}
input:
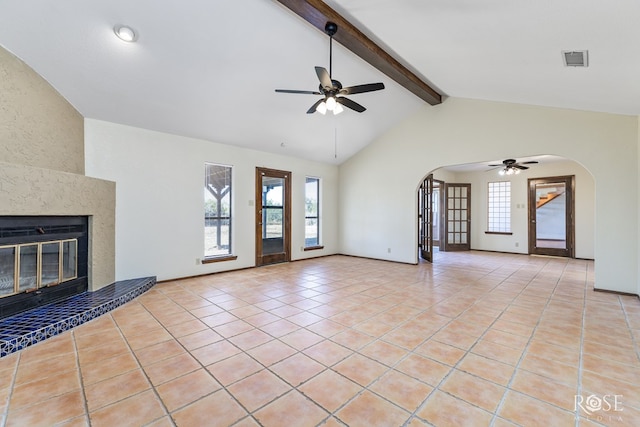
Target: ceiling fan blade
{"points": [[370, 87], [325, 79], [314, 106], [305, 92], [351, 104], [520, 167], [530, 162], [496, 165]]}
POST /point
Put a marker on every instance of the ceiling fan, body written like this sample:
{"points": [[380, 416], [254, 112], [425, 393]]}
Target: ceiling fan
{"points": [[331, 89], [512, 167]]}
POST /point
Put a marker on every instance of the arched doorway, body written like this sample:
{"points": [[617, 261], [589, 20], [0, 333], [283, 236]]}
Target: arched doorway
{"points": [[515, 237]]}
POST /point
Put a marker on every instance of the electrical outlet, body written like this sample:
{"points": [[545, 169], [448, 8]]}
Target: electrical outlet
{"points": [[517, 244], [388, 250], [197, 261]]}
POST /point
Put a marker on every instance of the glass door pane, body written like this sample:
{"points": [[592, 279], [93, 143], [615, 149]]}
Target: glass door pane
{"points": [[28, 259], [50, 264], [551, 207], [7, 270], [272, 215], [69, 259]]}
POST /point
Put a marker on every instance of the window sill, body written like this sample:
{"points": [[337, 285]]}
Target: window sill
{"points": [[222, 258], [503, 233], [312, 248]]}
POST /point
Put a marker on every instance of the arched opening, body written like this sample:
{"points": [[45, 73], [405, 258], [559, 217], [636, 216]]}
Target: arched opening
{"points": [[499, 212]]}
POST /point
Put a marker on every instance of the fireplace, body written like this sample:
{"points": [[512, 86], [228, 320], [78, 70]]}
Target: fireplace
{"points": [[43, 259]]}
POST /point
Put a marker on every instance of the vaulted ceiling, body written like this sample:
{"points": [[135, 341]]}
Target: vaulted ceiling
{"points": [[208, 69]]}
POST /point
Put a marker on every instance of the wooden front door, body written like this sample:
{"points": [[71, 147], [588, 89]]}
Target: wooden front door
{"points": [[273, 216], [551, 218]]}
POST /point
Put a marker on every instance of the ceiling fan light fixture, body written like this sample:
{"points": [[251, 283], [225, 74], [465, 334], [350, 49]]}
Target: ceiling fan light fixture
{"points": [[322, 108], [337, 109], [331, 103]]}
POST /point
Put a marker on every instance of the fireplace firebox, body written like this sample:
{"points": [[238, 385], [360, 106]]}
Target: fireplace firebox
{"points": [[43, 259]]}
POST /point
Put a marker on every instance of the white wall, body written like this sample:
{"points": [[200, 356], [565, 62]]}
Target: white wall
{"points": [[584, 207], [159, 199], [378, 186]]}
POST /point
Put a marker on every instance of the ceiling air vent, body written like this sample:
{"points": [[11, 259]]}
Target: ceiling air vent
{"points": [[575, 58]]}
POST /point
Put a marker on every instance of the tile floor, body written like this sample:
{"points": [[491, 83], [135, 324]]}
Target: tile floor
{"points": [[475, 339]]}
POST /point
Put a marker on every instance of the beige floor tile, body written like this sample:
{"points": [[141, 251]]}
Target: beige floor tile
{"points": [[442, 409], [271, 352], [497, 352], [250, 339], [525, 410], [48, 412], [258, 389], [489, 369], [279, 328], [297, 369], [168, 369], [234, 368], [301, 339], [139, 409], [28, 372], [215, 352], [187, 389], [441, 352], [330, 390], [26, 394], [149, 338], [367, 409], [186, 328], [157, 352], [383, 352], [474, 390], [545, 389], [116, 388], [291, 409], [328, 353], [551, 369], [401, 389], [199, 339], [360, 369], [423, 369]]}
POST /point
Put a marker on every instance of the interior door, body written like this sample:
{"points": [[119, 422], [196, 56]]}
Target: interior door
{"points": [[425, 218], [457, 225], [273, 216], [438, 213], [551, 218]]}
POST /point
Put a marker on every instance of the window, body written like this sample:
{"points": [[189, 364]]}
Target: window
{"points": [[217, 211], [311, 216], [499, 207]]}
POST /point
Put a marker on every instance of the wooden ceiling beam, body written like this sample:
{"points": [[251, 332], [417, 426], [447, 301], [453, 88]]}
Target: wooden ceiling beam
{"points": [[317, 13]]}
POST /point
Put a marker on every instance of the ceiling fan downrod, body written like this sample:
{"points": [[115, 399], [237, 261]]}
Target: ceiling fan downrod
{"points": [[330, 28]]}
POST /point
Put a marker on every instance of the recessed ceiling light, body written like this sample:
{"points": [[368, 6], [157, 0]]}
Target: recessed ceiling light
{"points": [[125, 33]]}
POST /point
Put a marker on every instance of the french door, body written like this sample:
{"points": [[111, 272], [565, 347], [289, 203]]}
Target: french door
{"points": [[551, 218], [457, 224], [273, 216], [425, 219]]}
